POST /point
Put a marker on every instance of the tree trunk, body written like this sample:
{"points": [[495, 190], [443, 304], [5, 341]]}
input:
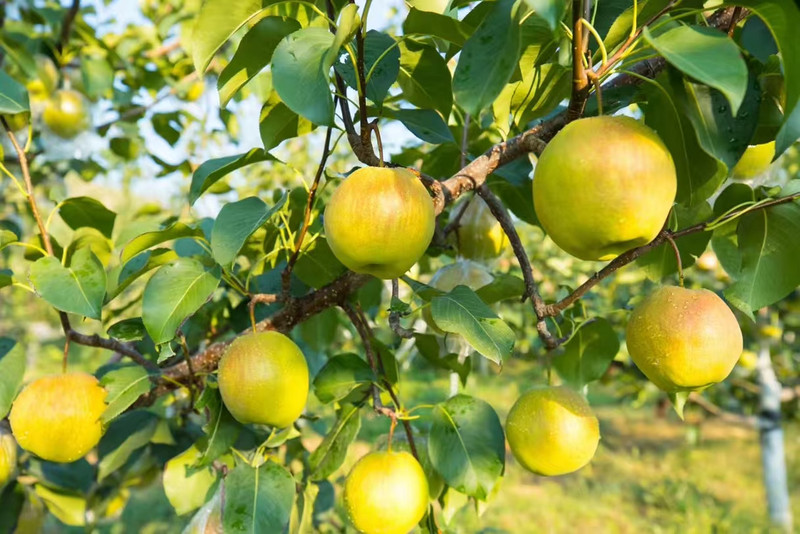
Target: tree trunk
{"points": [[773, 458]]}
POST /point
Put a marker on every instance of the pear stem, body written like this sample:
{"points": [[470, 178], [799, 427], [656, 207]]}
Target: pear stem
{"points": [[66, 356], [668, 237]]}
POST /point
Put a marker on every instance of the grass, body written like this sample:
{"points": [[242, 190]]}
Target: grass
{"points": [[650, 474]]}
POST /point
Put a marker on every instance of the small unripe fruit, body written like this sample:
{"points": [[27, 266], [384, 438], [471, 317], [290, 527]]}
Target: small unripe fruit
{"points": [[386, 493], [57, 418], [66, 113], [263, 378], [8, 456], [380, 221], [684, 339], [604, 185], [552, 431], [480, 236]]}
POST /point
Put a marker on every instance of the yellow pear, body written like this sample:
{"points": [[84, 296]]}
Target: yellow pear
{"points": [[263, 378], [604, 185], [754, 162], [380, 221], [480, 236], [386, 493], [684, 339], [57, 418], [66, 113], [8, 456], [552, 431]]}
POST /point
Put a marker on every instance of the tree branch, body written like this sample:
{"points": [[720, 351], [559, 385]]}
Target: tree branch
{"points": [[66, 24], [69, 332], [531, 289], [286, 276], [580, 83], [394, 317], [665, 235]]}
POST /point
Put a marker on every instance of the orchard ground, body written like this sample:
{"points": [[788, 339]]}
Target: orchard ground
{"points": [[650, 474]]}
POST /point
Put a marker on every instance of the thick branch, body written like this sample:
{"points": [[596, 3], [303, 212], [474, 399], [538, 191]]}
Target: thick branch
{"points": [[580, 83], [295, 312]]}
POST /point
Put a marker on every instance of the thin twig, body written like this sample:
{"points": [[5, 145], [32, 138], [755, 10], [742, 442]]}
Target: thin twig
{"points": [[580, 82], [734, 19], [677, 252], [286, 276]]}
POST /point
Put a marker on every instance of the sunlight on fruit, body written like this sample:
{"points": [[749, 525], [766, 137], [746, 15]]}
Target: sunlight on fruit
{"points": [[58, 417], [386, 493], [552, 431]]}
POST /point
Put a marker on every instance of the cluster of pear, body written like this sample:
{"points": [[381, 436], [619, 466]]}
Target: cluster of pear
{"points": [[597, 204], [65, 111]]}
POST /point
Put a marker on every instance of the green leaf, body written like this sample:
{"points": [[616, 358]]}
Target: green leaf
{"points": [[377, 45], [80, 212], [317, 266], [175, 292], [699, 174], [221, 430], [660, 262], [257, 500], [136, 245], [213, 170], [340, 376], [783, 18], [426, 124], [504, 286], [428, 23], [7, 237], [424, 77], [236, 222], [124, 386], [588, 353], [253, 54], [141, 264], [78, 289], [13, 96], [768, 246], [720, 134], [330, 454], [217, 21], [461, 311], [552, 11], [513, 184], [68, 507], [488, 59], [97, 76], [678, 400], [277, 122], [707, 55], [12, 369], [428, 347], [13, 498], [300, 73], [124, 436], [466, 445]]}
